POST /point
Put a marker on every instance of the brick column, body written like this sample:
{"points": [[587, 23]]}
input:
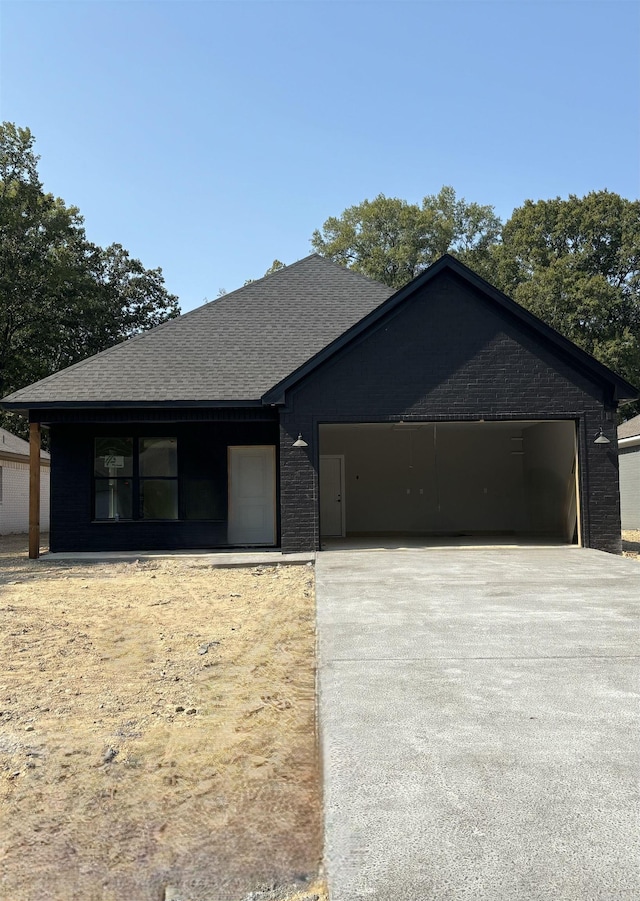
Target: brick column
{"points": [[299, 521], [602, 484]]}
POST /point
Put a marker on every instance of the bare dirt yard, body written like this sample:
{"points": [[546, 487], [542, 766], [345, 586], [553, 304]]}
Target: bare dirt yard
{"points": [[631, 543], [157, 731]]}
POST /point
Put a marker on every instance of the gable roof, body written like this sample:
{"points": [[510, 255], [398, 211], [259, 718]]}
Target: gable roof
{"points": [[12, 447], [250, 346], [621, 389], [630, 428], [232, 349]]}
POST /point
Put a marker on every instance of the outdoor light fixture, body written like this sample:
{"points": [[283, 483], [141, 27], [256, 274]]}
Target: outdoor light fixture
{"points": [[299, 442], [601, 438]]}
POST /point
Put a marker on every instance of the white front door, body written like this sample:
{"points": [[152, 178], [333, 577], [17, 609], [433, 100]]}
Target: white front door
{"points": [[332, 516], [252, 495]]}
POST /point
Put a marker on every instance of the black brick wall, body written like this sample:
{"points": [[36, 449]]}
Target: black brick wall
{"points": [[448, 353], [72, 448]]}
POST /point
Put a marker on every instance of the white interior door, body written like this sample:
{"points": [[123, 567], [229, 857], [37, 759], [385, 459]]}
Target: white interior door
{"points": [[332, 512], [252, 495]]}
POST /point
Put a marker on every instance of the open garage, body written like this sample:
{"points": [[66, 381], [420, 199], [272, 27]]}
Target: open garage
{"points": [[486, 479], [317, 403]]}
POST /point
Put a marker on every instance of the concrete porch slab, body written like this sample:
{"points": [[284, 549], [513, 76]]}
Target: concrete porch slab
{"points": [[210, 558]]}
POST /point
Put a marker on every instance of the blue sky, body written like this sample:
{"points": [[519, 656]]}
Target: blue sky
{"points": [[211, 137]]}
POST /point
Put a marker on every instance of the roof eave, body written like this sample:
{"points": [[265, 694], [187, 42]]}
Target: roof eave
{"points": [[23, 458], [25, 407]]}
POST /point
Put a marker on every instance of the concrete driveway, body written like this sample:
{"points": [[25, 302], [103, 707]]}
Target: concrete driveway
{"points": [[479, 724]]}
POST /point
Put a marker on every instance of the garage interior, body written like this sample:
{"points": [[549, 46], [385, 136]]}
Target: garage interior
{"points": [[495, 482]]}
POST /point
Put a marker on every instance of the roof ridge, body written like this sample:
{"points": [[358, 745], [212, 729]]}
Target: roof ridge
{"points": [[255, 282], [311, 256], [360, 275]]}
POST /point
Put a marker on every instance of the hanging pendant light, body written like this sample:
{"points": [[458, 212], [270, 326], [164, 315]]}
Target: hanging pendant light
{"points": [[601, 438]]}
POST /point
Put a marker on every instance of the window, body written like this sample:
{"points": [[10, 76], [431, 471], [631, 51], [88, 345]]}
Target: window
{"points": [[136, 479], [113, 472], [158, 459]]}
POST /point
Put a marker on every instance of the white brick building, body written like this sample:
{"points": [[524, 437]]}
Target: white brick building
{"points": [[14, 485]]}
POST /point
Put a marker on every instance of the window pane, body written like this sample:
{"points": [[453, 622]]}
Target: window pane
{"points": [[159, 498], [158, 457], [113, 457], [113, 499]]}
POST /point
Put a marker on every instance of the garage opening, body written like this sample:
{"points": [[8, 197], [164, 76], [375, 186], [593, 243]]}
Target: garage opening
{"points": [[483, 480]]}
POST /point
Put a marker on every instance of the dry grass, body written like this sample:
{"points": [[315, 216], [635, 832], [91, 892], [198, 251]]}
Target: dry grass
{"points": [[157, 728]]}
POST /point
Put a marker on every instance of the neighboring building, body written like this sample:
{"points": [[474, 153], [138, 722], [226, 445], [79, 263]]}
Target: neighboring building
{"points": [[315, 403], [14, 485], [629, 458]]}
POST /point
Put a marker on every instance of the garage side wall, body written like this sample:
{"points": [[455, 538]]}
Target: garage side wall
{"points": [[448, 354]]}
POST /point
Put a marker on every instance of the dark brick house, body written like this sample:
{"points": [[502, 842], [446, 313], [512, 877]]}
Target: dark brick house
{"points": [[315, 402]]}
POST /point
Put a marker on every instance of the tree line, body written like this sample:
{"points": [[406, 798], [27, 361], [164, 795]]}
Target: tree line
{"points": [[62, 298], [573, 262]]}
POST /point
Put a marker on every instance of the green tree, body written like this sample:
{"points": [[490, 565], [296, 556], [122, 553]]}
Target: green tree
{"points": [[62, 298], [575, 263], [392, 241], [275, 267]]}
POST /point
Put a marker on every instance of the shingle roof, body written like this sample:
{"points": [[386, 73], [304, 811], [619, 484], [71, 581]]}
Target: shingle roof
{"points": [[630, 428], [232, 349], [11, 444]]}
